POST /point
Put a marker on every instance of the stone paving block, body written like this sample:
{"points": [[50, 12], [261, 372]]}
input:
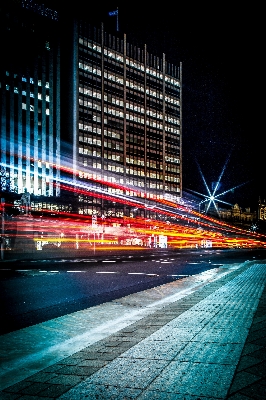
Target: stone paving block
{"points": [[112, 342], [246, 362], [41, 377], [154, 322], [96, 348], [129, 339], [217, 353], [259, 342], [212, 310], [255, 391], [225, 308], [101, 392], [221, 336], [255, 335], [258, 369], [17, 387], [249, 348], [52, 368], [87, 355], [191, 318], [77, 370], [70, 380], [260, 315], [154, 350], [34, 388], [230, 322], [260, 354], [198, 379], [160, 395], [150, 329], [179, 334], [241, 380], [9, 396], [130, 373], [126, 346], [169, 312], [111, 353], [101, 356], [182, 324], [54, 391], [70, 361], [143, 333], [128, 330], [124, 336], [238, 396], [29, 397], [93, 363], [258, 326]]}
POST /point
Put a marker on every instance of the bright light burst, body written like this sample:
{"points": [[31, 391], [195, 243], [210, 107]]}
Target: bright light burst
{"points": [[212, 198]]}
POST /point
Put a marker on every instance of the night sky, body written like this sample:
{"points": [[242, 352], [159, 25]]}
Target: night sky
{"points": [[220, 48]]}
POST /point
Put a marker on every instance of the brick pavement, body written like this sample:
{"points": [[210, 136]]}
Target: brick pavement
{"points": [[72, 377], [249, 381]]}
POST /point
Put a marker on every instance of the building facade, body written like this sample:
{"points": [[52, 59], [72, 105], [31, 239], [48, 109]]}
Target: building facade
{"points": [[127, 123], [30, 99], [86, 115]]}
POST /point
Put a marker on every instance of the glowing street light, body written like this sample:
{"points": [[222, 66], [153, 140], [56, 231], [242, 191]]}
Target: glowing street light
{"points": [[212, 198]]}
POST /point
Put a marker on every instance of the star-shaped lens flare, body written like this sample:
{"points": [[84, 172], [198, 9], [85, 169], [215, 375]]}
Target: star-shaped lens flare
{"points": [[212, 198]]}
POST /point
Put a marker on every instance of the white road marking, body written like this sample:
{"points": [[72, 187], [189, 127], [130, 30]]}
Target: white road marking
{"points": [[76, 271], [106, 272], [136, 273]]}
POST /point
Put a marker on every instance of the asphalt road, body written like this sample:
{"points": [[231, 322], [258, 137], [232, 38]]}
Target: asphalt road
{"points": [[36, 291]]}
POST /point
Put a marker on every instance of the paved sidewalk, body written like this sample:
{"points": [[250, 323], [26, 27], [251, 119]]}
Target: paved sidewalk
{"points": [[209, 344]]}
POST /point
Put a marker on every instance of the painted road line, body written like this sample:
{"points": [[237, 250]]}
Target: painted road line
{"points": [[106, 272]]}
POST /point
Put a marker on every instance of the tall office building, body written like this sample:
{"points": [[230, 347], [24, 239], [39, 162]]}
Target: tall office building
{"points": [[85, 110], [30, 99], [126, 123]]}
